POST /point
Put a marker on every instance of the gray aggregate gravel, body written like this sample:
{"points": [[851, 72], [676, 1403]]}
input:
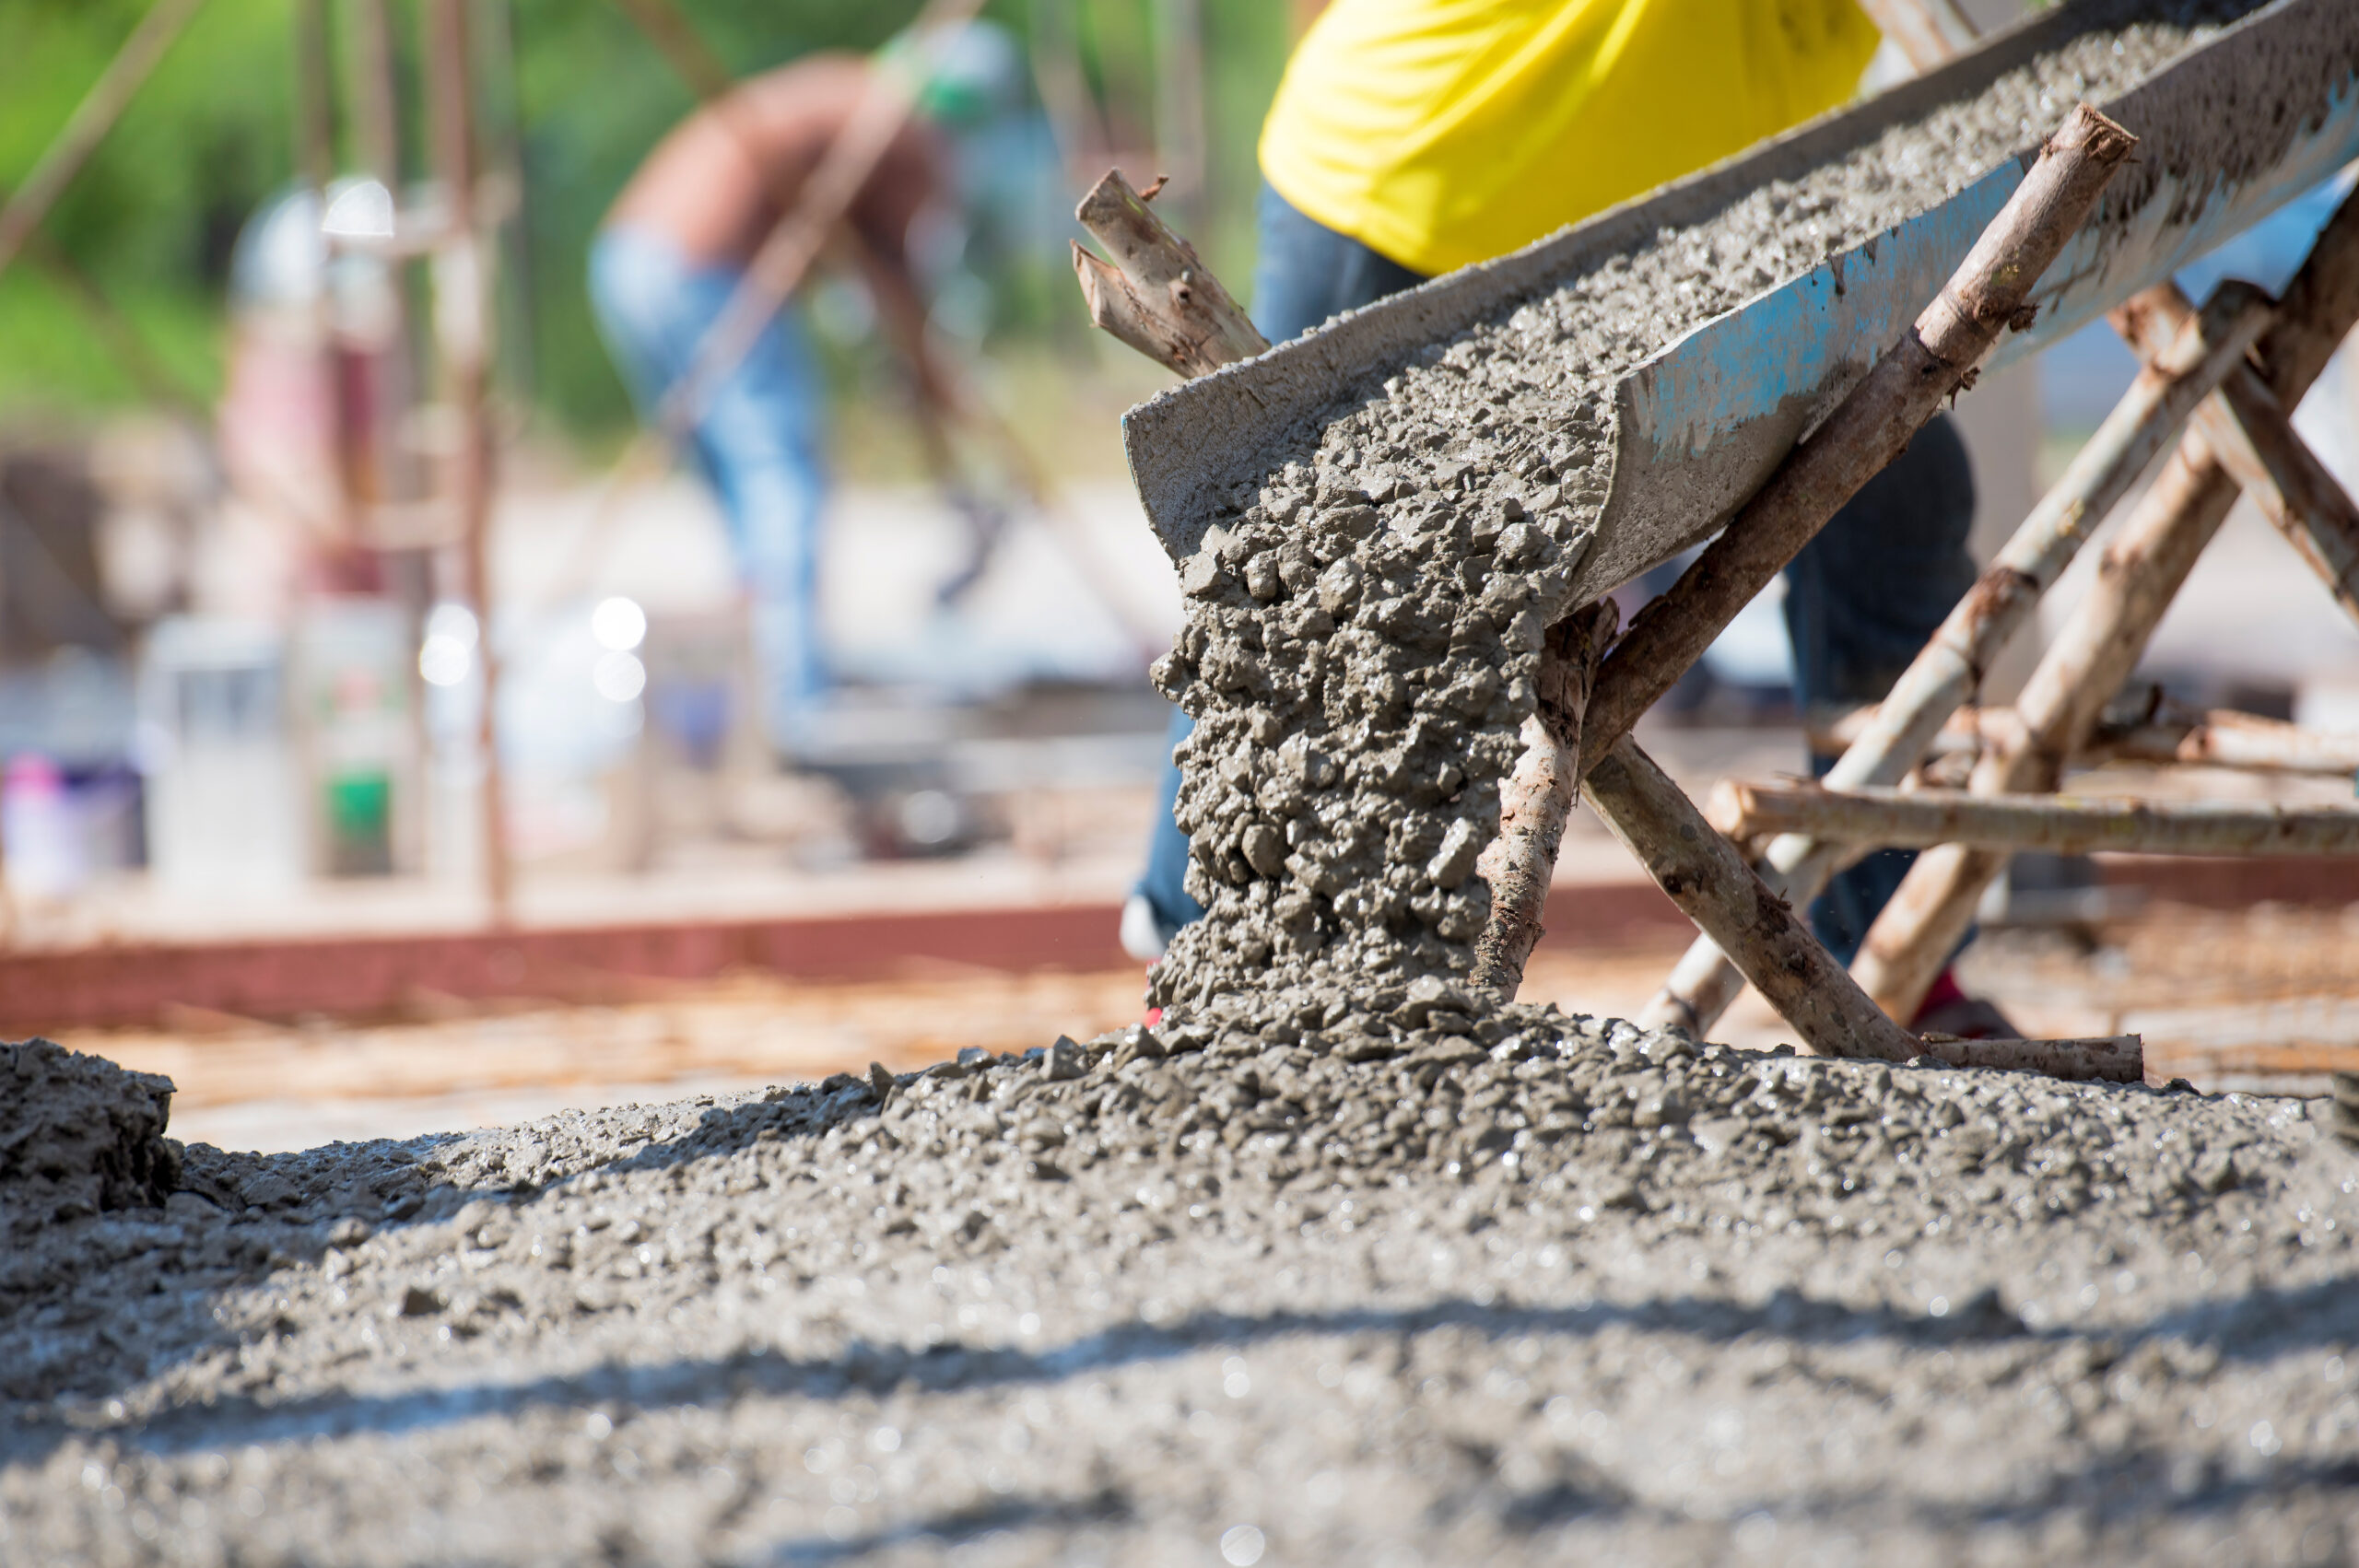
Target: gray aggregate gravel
{"points": [[1521, 1288], [77, 1135]]}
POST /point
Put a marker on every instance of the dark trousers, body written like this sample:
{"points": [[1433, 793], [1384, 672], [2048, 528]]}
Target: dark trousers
{"points": [[1861, 599]]}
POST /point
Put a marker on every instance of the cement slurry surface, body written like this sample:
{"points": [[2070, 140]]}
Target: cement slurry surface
{"points": [[1526, 1288], [1364, 624], [79, 1134]]}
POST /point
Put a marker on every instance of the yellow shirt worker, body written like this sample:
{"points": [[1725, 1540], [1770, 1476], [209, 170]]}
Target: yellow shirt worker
{"points": [[1410, 138], [1441, 132]]}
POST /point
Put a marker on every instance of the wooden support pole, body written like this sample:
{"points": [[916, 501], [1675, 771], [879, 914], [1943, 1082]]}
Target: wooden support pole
{"points": [[2223, 737], [2249, 431], [1918, 819], [315, 164], [463, 301], [2104, 1059], [1933, 360], [1948, 669], [1712, 883], [375, 92], [1153, 292], [89, 125], [2218, 737], [1180, 103], [2253, 438], [683, 48], [1518, 864], [2139, 574], [2315, 312]]}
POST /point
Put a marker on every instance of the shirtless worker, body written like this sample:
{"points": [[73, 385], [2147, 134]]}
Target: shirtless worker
{"points": [[674, 248], [1410, 138]]}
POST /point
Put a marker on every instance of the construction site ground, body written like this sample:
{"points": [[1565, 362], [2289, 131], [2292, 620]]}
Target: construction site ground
{"points": [[657, 1280], [1558, 1292], [2265, 999]]}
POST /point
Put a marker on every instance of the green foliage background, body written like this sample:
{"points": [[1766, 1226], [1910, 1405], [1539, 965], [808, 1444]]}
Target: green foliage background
{"points": [[153, 217]]}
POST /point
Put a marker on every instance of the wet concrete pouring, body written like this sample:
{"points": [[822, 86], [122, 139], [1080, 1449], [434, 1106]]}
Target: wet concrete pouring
{"points": [[1341, 1262]]}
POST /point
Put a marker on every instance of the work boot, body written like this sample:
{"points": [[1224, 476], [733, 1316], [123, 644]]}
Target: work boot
{"points": [[1947, 1010]]}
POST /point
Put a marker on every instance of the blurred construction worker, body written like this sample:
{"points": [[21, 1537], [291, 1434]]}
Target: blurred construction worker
{"points": [[1410, 138], [675, 249]]}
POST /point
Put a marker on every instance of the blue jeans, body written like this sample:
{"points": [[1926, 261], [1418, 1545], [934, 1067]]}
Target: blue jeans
{"points": [[1861, 599], [758, 444]]}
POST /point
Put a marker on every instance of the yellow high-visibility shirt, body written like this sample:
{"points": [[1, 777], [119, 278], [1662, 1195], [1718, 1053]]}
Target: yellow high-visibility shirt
{"points": [[1441, 132]]}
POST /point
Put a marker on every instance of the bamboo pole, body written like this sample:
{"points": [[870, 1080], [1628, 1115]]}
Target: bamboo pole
{"points": [[1950, 667], [2140, 573], [1154, 295], [1918, 819], [89, 125], [1714, 886], [1518, 864], [1933, 360]]}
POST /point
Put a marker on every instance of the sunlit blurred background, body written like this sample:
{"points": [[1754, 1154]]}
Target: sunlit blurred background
{"points": [[244, 658]]}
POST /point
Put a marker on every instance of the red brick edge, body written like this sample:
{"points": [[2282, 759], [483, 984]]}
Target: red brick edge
{"points": [[143, 983], [138, 984]]}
